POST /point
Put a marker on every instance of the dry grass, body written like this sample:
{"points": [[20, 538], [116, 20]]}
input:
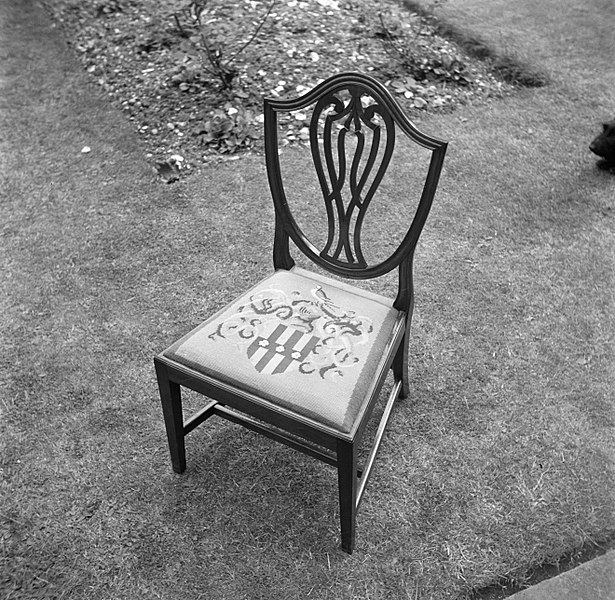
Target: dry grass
{"points": [[502, 460]]}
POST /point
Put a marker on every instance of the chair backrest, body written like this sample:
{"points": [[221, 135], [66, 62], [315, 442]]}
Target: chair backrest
{"points": [[352, 135]]}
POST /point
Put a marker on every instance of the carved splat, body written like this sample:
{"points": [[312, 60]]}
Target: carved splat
{"points": [[352, 140]]}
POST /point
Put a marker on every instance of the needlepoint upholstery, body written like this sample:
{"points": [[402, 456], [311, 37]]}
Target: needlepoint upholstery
{"points": [[300, 341]]}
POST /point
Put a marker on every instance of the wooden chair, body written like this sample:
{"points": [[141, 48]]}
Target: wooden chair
{"points": [[302, 357]]}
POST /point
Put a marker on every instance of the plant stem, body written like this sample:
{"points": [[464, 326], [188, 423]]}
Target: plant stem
{"points": [[253, 36]]}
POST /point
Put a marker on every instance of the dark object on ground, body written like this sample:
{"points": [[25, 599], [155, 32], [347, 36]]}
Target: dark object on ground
{"points": [[302, 358], [168, 170], [604, 146]]}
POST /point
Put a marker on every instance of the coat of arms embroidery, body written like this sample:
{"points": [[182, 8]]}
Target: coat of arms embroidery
{"points": [[279, 331]]}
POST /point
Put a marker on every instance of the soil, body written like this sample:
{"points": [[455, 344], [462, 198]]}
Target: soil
{"points": [[191, 75]]}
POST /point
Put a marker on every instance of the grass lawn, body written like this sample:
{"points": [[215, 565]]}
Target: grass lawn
{"points": [[502, 460]]}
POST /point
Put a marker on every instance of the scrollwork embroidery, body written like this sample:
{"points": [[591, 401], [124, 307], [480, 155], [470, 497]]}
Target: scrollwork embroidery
{"points": [[278, 331]]}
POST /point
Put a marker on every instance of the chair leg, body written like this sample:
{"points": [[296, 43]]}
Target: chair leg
{"points": [[170, 396], [347, 481], [400, 367]]}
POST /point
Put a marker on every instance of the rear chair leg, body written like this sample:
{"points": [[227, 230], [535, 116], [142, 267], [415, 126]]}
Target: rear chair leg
{"points": [[170, 396], [347, 481], [400, 367]]}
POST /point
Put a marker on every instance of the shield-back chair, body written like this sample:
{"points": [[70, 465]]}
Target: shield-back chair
{"points": [[302, 357]]}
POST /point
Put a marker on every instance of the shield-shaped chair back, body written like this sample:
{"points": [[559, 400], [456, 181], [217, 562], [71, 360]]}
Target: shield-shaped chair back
{"points": [[352, 137]]}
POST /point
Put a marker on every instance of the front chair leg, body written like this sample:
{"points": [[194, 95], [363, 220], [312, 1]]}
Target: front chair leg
{"points": [[347, 481], [170, 396]]}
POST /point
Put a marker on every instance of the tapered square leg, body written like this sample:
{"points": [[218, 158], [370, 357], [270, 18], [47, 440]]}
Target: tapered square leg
{"points": [[400, 367], [170, 396], [347, 481]]}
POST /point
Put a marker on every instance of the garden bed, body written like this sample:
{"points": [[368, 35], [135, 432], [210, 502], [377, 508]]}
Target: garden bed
{"points": [[191, 75]]}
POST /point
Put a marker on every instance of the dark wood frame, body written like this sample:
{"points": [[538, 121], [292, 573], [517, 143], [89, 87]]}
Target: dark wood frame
{"points": [[301, 433]]}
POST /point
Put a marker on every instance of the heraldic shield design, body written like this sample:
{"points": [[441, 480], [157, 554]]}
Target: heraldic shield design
{"points": [[280, 331]]}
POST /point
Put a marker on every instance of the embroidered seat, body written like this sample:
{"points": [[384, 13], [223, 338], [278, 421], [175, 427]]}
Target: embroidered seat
{"points": [[302, 357], [296, 341]]}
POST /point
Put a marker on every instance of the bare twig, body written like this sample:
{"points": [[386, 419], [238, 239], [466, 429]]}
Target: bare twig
{"points": [[212, 60], [256, 32], [390, 40], [182, 31]]}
